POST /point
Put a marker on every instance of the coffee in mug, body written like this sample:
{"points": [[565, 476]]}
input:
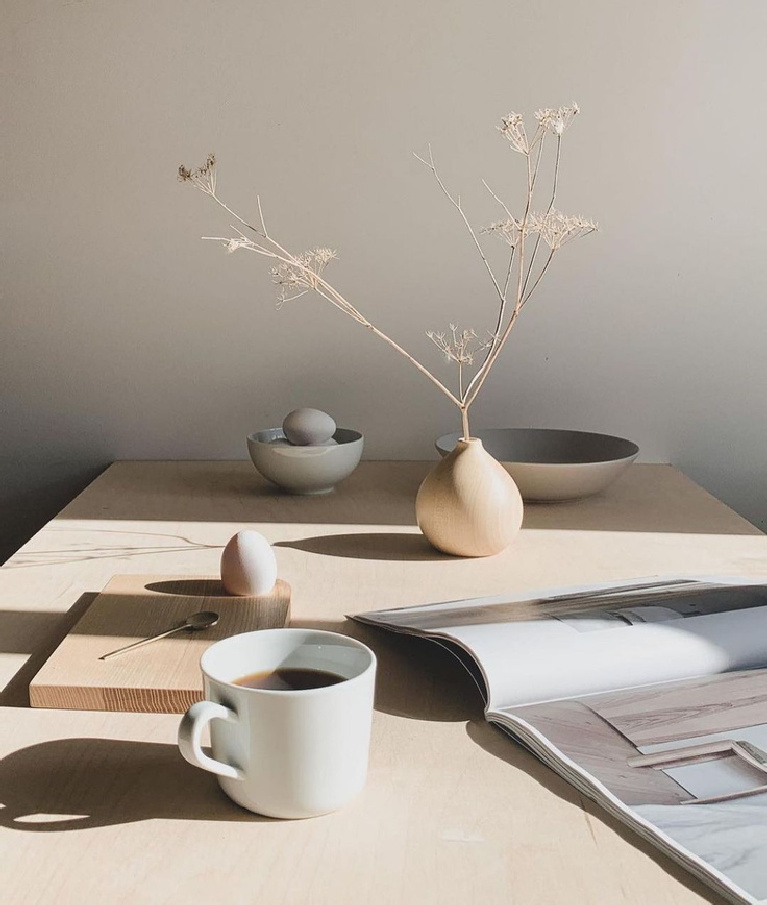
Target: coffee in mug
{"points": [[289, 711], [289, 679]]}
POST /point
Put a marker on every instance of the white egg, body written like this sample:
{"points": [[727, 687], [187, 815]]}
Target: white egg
{"points": [[248, 565], [308, 427]]}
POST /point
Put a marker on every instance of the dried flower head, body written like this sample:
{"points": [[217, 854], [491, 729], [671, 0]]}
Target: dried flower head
{"points": [[557, 120], [236, 243], [297, 274], [300, 275], [510, 230], [460, 346], [202, 178], [556, 228], [513, 129]]}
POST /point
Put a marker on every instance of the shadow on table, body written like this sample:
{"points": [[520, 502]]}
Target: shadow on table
{"points": [[496, 742], [376, 494], [189, 587], [416, 678], [22, 630], [38, 634], [399, 547], [81, 783], [227, 491]]}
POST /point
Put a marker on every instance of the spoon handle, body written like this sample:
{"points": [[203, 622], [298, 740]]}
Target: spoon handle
{"points": [[121, 650]]}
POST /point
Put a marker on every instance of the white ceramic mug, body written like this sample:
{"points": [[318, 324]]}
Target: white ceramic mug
{"points": [[284, 753]]}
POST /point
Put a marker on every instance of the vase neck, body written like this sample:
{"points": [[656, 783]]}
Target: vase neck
{"points": [[468, 443]]}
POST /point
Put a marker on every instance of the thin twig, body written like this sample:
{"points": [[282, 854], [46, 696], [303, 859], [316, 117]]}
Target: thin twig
{"points": [[457, 205], [506, 285], [540, 277], [479, 378], [499, 200], [548, 211], [327, 291], [538, 158], [261, 215]]}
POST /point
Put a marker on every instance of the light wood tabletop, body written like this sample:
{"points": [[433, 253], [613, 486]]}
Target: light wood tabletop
{"points": [[100, 807]]}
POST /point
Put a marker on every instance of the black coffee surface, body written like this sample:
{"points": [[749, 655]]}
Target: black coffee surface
{"points": [[289, 679]]}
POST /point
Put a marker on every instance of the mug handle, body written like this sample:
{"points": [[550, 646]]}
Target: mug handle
{"points": [[190, 737]]}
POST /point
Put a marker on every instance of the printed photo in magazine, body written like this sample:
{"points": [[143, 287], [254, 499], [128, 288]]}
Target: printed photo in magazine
{"points": [[650, 697]]}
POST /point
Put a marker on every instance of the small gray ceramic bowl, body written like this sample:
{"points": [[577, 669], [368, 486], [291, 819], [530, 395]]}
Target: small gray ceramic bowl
{"points": [[554, 465], [305, 469]]}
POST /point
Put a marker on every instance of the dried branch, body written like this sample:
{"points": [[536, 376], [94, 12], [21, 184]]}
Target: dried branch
{"points": [[298, 274], [303, 271]]}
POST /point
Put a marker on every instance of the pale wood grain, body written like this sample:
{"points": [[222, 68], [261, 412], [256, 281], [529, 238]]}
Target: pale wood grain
{"points": [[162, 677], [590, 741], [468, 505], [101, 808], [454, 812], [694, 707]]}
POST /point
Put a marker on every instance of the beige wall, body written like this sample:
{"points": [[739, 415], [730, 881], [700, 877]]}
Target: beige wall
{"points": [[125, 336]]}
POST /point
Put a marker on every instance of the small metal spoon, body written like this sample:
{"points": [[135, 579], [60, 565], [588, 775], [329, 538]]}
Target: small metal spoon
{"points": [[194, 623]]}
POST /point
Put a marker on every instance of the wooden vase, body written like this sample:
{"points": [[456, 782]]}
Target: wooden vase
{"points": [[468, 505]]}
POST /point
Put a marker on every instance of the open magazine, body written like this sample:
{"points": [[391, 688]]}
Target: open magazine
{"points": [[649, 697]]}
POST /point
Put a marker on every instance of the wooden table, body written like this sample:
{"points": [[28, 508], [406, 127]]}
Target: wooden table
{"points": [[101, 808]]}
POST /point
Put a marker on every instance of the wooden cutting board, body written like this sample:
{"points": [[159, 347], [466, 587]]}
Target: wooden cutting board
{"points": [[162, 677]]}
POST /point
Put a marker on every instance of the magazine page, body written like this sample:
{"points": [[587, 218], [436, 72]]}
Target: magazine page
{"points": [[684, 762], [650, 698], [564, 643]]}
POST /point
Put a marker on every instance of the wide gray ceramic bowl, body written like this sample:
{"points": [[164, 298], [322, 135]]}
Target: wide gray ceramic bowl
{"points": [[554, 465], [305, 469]]}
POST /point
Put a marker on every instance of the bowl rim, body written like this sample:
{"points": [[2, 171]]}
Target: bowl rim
{"points": [[552, 430], [265, 436]]}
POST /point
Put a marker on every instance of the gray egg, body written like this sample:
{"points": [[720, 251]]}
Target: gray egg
{"points": [[308, 427]]}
